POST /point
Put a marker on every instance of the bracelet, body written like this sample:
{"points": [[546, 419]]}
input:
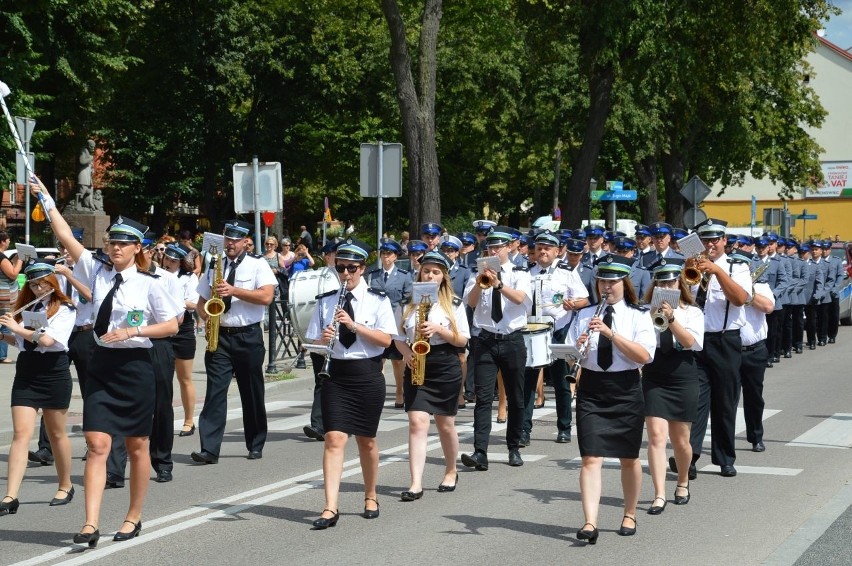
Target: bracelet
{"points": [[611, 338], [138, 331], [127, 331]]}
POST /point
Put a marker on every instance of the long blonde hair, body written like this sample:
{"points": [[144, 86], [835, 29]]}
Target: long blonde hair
{"points": [[445, 301]]}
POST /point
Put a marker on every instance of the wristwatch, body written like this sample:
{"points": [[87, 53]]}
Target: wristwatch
{"points": [[500, 286]]}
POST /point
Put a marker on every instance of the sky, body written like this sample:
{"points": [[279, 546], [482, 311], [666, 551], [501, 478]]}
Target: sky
{"points": [[839, 28]]}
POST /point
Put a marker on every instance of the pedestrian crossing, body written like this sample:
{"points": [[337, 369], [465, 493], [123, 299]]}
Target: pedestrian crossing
{"points": [[833, 432]]}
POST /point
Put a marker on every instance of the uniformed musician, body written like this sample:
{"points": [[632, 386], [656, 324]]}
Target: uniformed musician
{"points": [[396, 283], [430, 233], [661, 236], [594, 241], [500, 311], [639, 276], [557, 293], [610, 405], [247, 288], [480, 230], [354, 394]]}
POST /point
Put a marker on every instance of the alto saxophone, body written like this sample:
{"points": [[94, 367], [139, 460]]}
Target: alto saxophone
{"points": [[215, 306], [421, 345]]}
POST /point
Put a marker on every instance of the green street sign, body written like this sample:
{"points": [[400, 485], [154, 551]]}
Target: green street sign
{"points": [[596, 195]]}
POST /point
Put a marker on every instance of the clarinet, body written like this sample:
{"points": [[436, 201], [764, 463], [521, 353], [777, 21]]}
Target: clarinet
{"points": [[325, 371], [575, 368]]}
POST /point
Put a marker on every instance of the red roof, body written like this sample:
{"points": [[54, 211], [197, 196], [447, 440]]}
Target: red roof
{"points": [[834, 47]]}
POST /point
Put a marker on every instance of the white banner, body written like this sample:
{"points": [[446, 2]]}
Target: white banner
{"points": [[837, 181]]}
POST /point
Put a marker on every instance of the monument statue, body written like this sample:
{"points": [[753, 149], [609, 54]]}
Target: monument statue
{"points": [[85, 200]]}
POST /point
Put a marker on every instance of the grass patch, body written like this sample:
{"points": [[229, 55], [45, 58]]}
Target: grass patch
{"points": [[280, 376]]}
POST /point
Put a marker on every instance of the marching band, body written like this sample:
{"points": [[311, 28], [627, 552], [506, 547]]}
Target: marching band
{"points": [[658, 340]]}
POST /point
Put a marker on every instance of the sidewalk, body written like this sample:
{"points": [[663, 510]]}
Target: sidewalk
{"points": [[304, 380]]}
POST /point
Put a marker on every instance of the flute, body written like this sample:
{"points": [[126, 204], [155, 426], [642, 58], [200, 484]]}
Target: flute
{"points": [[572, 373], [31, 303]]}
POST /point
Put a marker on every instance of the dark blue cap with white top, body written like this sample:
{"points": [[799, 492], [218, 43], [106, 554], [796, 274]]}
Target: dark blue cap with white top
{"points": [[237, 229], [711, 228], [451, 242], [483, 225], [126, 230], [39, 268], [353, 249], [613, 267]]}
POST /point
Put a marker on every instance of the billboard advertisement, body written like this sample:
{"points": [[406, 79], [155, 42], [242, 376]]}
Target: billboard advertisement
{"points": [[837, 181]]}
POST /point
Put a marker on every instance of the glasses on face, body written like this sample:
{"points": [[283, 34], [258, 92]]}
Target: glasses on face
{"points": [[711, 240], [271, 243], [351, 268], [161, 249], [449, 250]]}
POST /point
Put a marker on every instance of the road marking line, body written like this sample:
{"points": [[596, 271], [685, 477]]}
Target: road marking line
{"points": [[757, 470], [740, 426], [833, 432]]}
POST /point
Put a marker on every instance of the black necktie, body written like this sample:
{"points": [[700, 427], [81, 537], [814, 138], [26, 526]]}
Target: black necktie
{"points": [[30, 346], [386, 276], [232, 274], [347, 337], [496, 304], [604, 343], [666, 341], [102, 320]]}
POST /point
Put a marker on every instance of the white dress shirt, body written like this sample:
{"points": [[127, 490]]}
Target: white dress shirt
{"points": [[552, 284], [631, 323], [514, 315], [756, 328], [717, 307], [692, 319], [252, 273], [437, 315]]}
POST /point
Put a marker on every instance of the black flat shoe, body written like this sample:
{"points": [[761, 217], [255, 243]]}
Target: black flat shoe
{"points": [[477, 460], [657, 509], [69, 495], [758, 447], [88, 538], [114, 482], [728, 471], [313, 433], [444, 488], [540, 405], [371, 513], [500, 421], [189, 432], [326, 522], [399, 405], [627, 531], [681, 499], [137, 528], [411, 495], [9, 507], [515, 458], [591, 536]]}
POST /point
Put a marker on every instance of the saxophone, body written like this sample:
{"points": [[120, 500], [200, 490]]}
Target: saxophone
{"points": [[421, 346], [215, 306]]}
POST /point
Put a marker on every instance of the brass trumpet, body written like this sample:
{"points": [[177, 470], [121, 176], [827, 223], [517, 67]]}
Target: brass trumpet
{"points": [[484, 281], [691, 274], [661, 323]]}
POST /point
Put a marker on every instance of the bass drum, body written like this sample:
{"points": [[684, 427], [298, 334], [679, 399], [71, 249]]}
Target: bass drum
{"points": [[302, 295]]}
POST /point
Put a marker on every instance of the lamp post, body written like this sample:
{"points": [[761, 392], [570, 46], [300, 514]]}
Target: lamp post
{"points": [[593, 185]]}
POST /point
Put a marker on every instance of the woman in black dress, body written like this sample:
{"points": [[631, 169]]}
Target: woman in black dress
{"points": [[42, 380], [670, 384], [131, 308], [446, 330], [354, 394], [610, 407]]}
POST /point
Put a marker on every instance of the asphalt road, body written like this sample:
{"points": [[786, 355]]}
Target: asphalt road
{"points": [[788, 505]]}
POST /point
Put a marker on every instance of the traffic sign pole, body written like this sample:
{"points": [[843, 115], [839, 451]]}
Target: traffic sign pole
{"points": [[380, 196]]}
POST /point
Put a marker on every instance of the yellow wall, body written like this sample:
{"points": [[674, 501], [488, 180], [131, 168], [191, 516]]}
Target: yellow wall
{"points": [[834, 216]]}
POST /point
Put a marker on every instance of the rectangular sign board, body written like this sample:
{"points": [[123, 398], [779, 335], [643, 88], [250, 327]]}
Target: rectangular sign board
{"points": [[837, 181], [269, 186], [391, 170], [619, 195]]}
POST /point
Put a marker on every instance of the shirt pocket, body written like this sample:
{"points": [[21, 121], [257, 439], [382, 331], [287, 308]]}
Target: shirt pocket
{"points": [[243, 282]]}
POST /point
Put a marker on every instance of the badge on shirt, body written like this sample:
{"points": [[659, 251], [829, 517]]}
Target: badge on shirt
{"points": [[134, 318], [556, 299]]}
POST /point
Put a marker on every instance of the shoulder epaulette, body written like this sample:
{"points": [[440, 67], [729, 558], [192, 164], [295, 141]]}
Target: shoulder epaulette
{"points": [[404, 271], [531, 264], [378, 292], [519, 268], [327, 294], [149, 274], [256, 256], [639, 308], [374, 270], [456, 301], [563, 265], [70, 305], [405, 301]]}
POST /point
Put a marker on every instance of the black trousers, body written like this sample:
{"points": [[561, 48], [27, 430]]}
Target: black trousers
{"points": [[508, 354], [239, 355], [718, 395], [561, 389], [774, 321], [797, 320], [823, 315], [752, 371], [317, 361], [80, 347], [162, 437], [833, 317], [811, 323], [469, 386]]}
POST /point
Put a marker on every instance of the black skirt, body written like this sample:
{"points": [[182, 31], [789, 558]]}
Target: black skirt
{"points": [[439, 394], [119, 392], [610, 414], [670, 385], [184, 341], [353, 397], [42, 381]]}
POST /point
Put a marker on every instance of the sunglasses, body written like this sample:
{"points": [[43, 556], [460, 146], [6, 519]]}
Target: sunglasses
{"points": [[351, 268], [161, 249]]}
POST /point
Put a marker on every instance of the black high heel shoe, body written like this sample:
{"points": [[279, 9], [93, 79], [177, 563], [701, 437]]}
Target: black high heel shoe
{"points": [[137, 528], [326, 522], [189, 432], [591, 536], [370, 513], [627, 531], [88, 538], [682, 499], [443, 488], [69, 495], [9, 507]]}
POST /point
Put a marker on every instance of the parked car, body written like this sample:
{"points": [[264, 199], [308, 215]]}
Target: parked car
{"points": [[843, 251]]}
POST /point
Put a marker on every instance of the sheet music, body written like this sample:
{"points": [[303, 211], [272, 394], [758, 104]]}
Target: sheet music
{"points": [[670, 296], [491, 262], [421, 289], [26, 252], [34, 320], [691, 245], [211, 239], [565, 351]]}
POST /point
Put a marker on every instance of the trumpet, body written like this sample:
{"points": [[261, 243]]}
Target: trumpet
{"points": [[691, 274], [325, 371], [661, 323], [575, 367], [484, 281]]}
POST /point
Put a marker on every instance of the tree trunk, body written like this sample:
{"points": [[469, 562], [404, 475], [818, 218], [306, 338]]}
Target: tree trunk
{"points": [[673, 168], [600, 102], [418, 112], [646, 172]]}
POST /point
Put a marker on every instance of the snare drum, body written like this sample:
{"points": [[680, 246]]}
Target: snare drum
{"points": [[537, 338], [304, 288]]}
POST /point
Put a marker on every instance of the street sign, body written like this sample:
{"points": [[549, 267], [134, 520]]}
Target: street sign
{"points": [[772, 216], [693, 217], [391, 170], [269, 187], [615, 185], [806, 217], [596, 195], [695, 191], [618, 195], [21, 167], [25, 127]]}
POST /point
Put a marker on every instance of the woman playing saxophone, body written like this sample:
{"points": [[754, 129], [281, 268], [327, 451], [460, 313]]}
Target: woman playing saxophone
{"points": [[445, 328]]}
